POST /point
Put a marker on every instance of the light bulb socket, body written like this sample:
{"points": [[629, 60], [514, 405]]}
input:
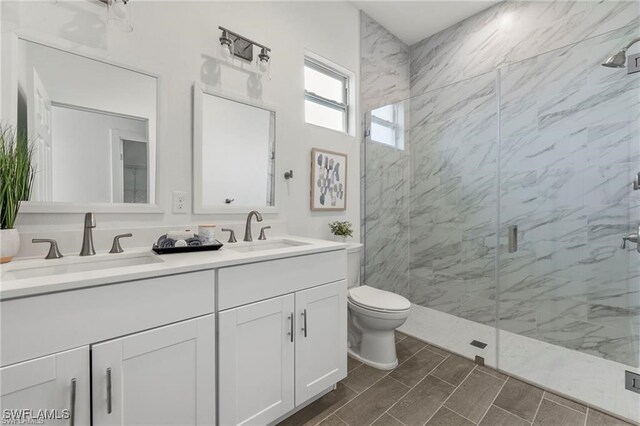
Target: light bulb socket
{"points": [[263, 61], [226, 49], [264, 56], [224, 40]]}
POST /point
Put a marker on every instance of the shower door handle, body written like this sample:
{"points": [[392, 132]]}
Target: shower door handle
{"points": [[513, 238]]}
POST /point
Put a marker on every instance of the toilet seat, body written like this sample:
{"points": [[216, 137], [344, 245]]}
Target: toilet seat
{"points": [[380, 315], [373, 299]]}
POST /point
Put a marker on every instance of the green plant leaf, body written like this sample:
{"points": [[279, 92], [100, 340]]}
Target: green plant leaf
{"points": [[16, 174], [341, 228]]}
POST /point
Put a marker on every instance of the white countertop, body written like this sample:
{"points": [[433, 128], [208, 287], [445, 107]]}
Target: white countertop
{"points": [[170, 264]]}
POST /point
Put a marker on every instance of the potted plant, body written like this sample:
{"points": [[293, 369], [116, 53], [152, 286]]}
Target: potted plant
{"points": [[16, 178], [341, 230]]}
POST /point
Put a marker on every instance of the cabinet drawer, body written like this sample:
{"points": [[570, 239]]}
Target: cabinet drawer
{"points": [[35, 326], [239, 285]]}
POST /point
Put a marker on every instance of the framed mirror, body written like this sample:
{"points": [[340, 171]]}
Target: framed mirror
{"points": [[234, 154], [93, 129]]}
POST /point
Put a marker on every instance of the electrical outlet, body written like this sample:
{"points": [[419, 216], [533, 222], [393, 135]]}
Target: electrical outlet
{"points": [[180, 201]]}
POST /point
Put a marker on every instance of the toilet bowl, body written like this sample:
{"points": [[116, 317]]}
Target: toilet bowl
{"points": [[374, 316]]}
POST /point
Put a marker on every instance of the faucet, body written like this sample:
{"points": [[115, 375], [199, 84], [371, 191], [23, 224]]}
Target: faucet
{"points": [[247, 229], [87, 239], [633, 238]]}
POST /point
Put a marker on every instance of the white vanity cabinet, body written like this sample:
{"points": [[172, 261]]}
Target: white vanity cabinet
{"points": [[256, 355], [153, 338], [244, 344], [57, 383], [321, 338], [162, 376], [278, 353]]}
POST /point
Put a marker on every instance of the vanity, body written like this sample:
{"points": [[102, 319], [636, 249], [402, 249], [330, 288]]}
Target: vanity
{"points": [[177, 339]]}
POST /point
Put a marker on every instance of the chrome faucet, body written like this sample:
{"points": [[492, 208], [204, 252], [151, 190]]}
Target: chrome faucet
{"points": [[247, 229], [87, 239]]}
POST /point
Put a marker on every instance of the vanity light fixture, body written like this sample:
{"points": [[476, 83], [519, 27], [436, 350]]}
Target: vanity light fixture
{"points": [[233, 44]]}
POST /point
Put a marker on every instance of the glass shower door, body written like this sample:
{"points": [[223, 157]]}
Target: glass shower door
{"points": [[452, 244], [429, 202], [569, 293]]}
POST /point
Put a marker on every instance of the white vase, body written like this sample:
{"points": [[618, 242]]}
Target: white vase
{"points": [[340, 238], [9, 244]]}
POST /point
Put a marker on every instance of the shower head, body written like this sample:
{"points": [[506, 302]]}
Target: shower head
{"points": [[618, 59]]}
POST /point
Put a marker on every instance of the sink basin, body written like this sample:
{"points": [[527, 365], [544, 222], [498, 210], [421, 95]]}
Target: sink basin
{"points": [[266, 245], [80, 264]]}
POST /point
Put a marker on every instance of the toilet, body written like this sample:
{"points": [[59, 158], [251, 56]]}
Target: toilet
{"points": [[374, 315]]}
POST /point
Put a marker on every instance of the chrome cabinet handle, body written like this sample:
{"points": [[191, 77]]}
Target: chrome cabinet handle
{"points": [[54, 253], [304, 328], [291, 326], [72, 404], [109, 406]]}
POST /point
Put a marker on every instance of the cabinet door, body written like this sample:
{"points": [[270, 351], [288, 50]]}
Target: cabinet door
{"points": [[256, 357], [321, 339], [164, 376], [57, 384]]}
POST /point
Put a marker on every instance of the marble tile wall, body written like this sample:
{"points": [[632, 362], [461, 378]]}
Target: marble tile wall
{"points": [[568, 147], [567, 137], [384, 66], [510, 32], [384, 74]]}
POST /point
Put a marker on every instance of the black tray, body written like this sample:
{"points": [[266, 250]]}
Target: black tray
{"points": [[168, 250]]}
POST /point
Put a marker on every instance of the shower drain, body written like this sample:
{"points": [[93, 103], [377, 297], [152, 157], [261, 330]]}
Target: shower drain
{"points": [[478, 344]]}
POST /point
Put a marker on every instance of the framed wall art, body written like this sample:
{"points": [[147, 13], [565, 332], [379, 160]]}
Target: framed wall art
{"points": [[328, 180]]}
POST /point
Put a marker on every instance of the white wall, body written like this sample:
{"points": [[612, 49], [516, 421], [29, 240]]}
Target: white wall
{"points": [[178, 41]]}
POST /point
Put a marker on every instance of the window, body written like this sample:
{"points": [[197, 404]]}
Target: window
{"points": [[387, 125], [326, 95]]}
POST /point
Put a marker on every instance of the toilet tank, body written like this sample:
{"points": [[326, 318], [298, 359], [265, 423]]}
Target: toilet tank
{"points": [[353, 264]]}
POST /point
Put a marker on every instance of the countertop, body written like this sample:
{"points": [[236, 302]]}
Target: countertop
{"points": [[170, 264]]}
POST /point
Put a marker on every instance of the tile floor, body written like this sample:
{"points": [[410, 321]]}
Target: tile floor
{"points": [[434, 387]]}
